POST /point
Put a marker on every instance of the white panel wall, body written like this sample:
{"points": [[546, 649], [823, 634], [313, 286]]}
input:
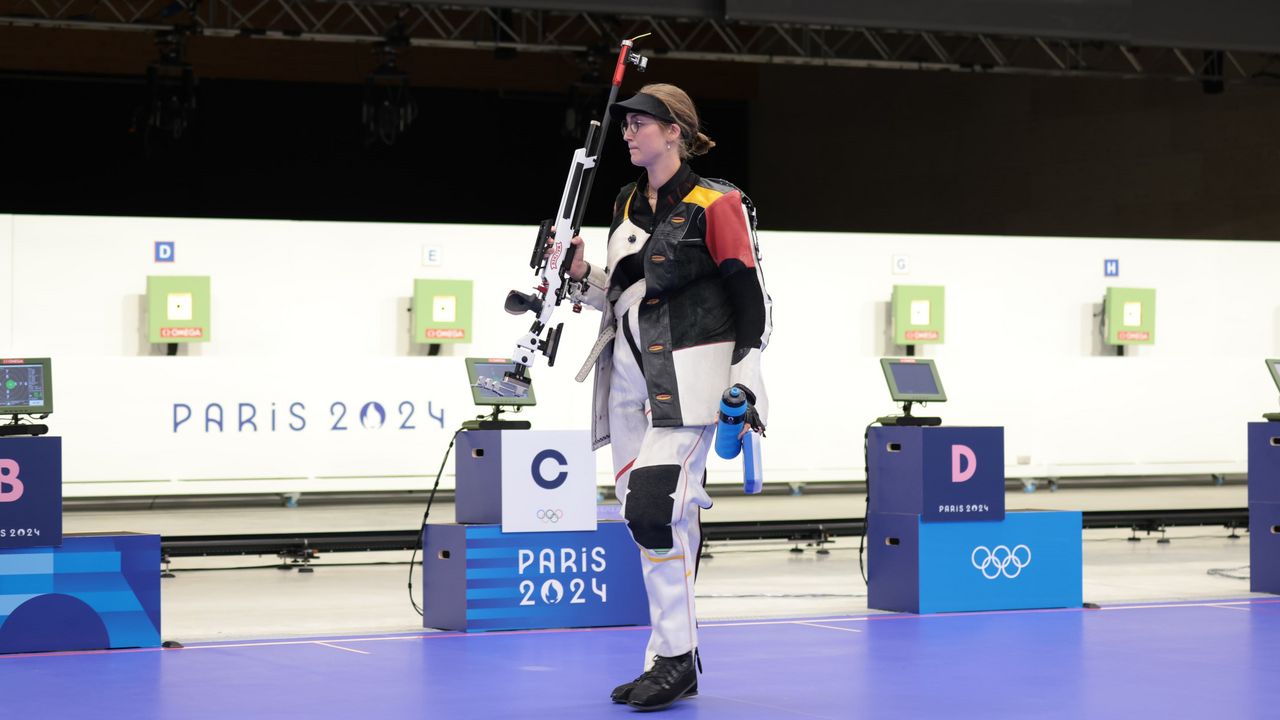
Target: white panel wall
{"points": [[312, 318], [6, 280], [1019, 349]]}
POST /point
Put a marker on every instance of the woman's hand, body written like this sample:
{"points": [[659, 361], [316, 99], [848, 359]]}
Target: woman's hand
{"points": [[579, 268]]}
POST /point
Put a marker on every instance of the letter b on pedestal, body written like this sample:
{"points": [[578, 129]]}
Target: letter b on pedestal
{"points": [[9, 477]]}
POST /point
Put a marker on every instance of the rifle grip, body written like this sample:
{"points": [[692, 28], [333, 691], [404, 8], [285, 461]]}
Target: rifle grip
{"points": [[567, 262]]}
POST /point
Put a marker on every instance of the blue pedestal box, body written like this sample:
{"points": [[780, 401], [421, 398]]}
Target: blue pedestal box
{"points": [[1264, 462], [943, 474], [475, 577], [93, 593], [30, 492], [478, 469], [506, 476], [1264, 546], [1028, 560], [1264, 507]]}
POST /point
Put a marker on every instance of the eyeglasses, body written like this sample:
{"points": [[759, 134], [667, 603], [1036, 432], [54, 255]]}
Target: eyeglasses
{"points": [[635, 126]]}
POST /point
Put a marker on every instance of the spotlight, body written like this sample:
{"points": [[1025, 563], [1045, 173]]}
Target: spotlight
{"points": [[171, 90], [389, 108]]}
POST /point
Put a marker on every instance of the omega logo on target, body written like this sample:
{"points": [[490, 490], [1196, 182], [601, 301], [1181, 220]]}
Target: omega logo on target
{"points": [[561, 561]]}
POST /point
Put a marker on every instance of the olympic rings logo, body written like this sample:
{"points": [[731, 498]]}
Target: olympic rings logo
{"points": [[1000, 560], [551, 516]]}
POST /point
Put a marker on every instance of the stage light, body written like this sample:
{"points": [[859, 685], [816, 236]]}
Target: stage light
{"points": [[389, 106], [171, 90]]}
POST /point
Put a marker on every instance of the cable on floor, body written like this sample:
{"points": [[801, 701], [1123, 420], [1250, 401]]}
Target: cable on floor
{"points": [[1235, 573]]}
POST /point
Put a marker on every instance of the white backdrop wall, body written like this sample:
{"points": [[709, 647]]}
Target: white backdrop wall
{"points": [[312, 376], [6, 281]]}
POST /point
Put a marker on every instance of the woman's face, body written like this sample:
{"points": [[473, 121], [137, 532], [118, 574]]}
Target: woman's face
{"points": [[647, 138]]}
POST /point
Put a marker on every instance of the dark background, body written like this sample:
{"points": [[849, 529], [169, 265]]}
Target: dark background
{"points": [[277, 134], [298, 150]]}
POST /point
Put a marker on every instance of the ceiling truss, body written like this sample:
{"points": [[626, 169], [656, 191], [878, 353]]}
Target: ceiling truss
{"points": [[586, 33]]}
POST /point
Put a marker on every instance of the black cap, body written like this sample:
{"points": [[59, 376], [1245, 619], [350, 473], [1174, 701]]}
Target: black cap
{"points": [[641, 103]]}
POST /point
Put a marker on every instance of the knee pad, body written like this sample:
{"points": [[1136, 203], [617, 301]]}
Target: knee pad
{"points": [[649, 505]]}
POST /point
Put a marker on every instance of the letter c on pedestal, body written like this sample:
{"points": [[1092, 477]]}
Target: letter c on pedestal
{"points": [[536, 469]]}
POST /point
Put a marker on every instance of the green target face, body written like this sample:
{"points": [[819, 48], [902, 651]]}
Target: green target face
{"points": [[441, 311], [178, 308], [918, 316]]}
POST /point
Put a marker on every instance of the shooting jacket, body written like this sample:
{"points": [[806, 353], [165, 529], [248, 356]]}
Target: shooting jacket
{"points": [[704, 315]]}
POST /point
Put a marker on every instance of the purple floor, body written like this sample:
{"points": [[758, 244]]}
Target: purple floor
{"points": [[1192, 660]]}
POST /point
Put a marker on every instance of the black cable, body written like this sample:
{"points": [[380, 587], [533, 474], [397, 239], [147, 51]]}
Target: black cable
{"points": [[430, 498], [287, 566], [721, 549], [275, 566], [1128, 539], [1235, 573]]}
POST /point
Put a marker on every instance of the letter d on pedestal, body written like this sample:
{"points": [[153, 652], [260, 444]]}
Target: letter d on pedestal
{"points": [[959, 453]]}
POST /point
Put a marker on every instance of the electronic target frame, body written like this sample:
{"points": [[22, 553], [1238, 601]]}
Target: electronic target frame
{"points": [[442, 311], [178, 308], [919, 314], [1130, 315]]}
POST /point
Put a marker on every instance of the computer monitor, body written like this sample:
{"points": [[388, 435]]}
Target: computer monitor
{"points": [[490, 387], [26, 386], [1273, 364], [913, 380]]}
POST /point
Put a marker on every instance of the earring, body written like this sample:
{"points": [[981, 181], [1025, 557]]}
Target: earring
{"points": [[668, 146]]}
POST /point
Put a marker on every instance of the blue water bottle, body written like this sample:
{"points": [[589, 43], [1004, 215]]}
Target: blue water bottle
{"points": [[733, 405], [733, 409], [752, 475]]}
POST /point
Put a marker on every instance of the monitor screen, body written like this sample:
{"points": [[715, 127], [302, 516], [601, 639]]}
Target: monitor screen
{"points": [[1274, 366], [26, 386], [913, 379], [490, 387]]}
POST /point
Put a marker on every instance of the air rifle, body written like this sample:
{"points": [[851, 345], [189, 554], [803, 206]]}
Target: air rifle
{"points": [[552, 251]]}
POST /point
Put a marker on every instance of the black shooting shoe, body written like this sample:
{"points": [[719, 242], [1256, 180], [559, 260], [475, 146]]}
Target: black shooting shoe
{"points": [[622, 693], [670, 679]]}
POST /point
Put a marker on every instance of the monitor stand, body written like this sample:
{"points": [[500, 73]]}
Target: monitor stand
{"points": [[494, 421], [906, 419], [16, 428]]}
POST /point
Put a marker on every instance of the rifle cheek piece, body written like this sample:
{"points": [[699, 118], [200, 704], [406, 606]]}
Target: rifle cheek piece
{"points": [[519, 303]]}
